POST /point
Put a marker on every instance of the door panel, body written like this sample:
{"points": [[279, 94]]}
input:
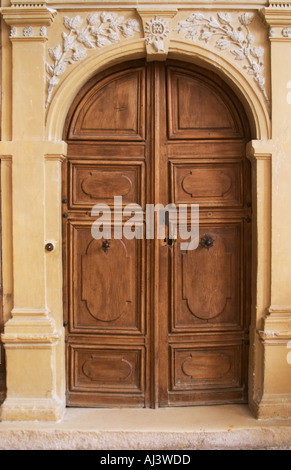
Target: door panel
{"points": [[207, 281], [113, 109], [98, 182], [203, 326], [207, 184], [147, 322], [197, 108], [202, 368], [107, 369], [106, 291]]}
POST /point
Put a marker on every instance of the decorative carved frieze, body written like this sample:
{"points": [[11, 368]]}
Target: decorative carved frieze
{"points": [[28, 21], [286, 32], [231, 33], [99, 30], [278, 18], [28, 32], [238, 41]]}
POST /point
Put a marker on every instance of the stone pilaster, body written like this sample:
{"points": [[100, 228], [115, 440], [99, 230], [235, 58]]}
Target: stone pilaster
{"points": [[33, 336], [274, 327]]}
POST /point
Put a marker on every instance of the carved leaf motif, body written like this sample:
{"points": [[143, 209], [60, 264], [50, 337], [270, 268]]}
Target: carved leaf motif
{"points": [[206, 35], [213, 22], [73, 23], [239, 54], [246, 18], [56, 52], [133, 25], [224, 18], [93, 19], [110, 27], [68, 42], [257, 52], [79, 54], [49, 69], [197, 17], [105, 16], [197, 26], [223, 44], [193, 33], [60, 68], [85, 39]]}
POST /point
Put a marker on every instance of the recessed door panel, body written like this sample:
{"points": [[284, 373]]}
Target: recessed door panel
{"points": [[203, 367], [108, 369], [112, 109], [207, 184], [207, 281], [106, 283], [98, 182], [198, 109]]}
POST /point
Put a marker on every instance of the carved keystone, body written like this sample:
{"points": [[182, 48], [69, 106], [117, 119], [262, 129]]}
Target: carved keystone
{"points": [[157, 28]]}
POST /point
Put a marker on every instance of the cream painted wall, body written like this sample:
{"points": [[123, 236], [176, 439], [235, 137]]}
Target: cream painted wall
{"points": [[33, 116]]}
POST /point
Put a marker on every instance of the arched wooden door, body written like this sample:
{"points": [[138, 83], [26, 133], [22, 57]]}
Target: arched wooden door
{"points": [[148, 323]]}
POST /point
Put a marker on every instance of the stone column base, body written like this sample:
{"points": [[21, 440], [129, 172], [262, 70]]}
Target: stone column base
{"points": [[269, 407], [32, 409]]}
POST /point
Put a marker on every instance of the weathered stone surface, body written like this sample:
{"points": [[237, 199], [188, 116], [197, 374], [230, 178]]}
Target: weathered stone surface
{"points": [[218, 427]]}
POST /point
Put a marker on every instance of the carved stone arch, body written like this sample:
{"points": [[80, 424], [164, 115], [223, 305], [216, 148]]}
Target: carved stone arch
{"points": [[255, 105]]}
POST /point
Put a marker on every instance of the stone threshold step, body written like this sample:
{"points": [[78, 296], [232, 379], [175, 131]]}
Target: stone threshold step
{"points": [[227, 427]]}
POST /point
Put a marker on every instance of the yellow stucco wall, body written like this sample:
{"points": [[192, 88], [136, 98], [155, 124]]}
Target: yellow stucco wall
{"points": [[36, 98]]}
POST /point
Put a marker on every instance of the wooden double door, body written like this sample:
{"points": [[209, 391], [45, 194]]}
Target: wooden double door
{"points": [[148, 322]]}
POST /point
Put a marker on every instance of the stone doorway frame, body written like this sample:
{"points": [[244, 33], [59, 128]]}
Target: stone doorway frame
{"points": [[33, 332]]}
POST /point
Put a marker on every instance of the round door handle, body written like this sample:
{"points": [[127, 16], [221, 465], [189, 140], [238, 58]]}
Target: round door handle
{"points": [[49, 247], [206, 241]]}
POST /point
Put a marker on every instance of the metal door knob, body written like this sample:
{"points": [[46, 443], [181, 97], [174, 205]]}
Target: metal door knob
{"points": [[206, 241], [105, 245]]}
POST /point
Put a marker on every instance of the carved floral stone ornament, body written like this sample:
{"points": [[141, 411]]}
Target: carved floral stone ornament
{"points": [[13, 32], [28, 31], [106, 28], [286, 32], [156, 31], [101, 30], [238, 41]]}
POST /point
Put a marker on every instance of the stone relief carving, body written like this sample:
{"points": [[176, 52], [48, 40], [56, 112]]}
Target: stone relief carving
{"points": [[238, 41], [105, 28], [286, 32], [101, 30], [28, 31], [13, 32], [43, 31], [156, 31]]}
